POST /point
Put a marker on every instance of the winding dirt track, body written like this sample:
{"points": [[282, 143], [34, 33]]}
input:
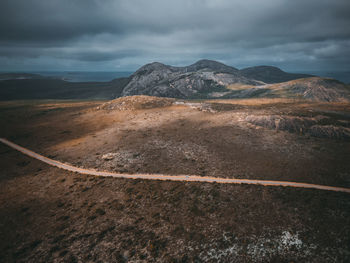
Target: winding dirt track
{"points": [[186, 178]]}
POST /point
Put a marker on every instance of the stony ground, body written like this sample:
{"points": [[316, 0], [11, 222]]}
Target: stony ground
{"points": [[49, 215]]}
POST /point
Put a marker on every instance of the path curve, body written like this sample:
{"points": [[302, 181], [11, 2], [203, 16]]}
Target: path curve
{"points": [[185, 178]]}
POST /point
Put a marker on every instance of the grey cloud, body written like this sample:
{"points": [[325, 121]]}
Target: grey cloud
{"points": [[95, 56], [129, 33]]}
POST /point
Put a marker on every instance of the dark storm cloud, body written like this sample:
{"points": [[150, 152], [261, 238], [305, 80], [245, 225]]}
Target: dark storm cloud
{"points": [[313, 33], [58, 20]]}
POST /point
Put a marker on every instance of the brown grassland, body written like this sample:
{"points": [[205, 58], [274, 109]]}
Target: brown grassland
{"points": [[50, 215]]}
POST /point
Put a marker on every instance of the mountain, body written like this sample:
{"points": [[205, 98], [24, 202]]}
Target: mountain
{"points": [[194, 81], [269, 74], [211, 79]]}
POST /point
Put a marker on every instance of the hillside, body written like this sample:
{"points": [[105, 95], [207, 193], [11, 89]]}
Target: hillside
{"points": [[270, 74], [314, 88], [52, 215]]}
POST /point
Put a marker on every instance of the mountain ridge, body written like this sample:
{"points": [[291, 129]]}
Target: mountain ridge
{"points": [[204, 79], [211, 79]]}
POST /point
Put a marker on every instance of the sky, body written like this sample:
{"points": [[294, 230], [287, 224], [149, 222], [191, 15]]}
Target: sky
{"points": [[122, 35]]}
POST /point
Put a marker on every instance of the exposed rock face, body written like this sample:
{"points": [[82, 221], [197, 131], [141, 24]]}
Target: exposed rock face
{"points": [[157, 79], [211, 65]]}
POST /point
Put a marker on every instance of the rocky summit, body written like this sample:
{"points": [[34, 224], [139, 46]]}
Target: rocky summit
{"points": [[194, 81]]}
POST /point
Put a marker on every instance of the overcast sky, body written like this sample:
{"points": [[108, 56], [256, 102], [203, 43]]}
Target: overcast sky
{"points": [[122, 35]]}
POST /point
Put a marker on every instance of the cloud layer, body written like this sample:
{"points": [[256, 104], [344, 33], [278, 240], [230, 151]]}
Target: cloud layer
{"points": [[125, 34]]}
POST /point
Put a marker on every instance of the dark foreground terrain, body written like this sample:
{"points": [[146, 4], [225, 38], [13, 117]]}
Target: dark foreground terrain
{"points": [[50, 215]]}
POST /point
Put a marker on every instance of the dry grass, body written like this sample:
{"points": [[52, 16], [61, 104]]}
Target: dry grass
{"points": [[239, 86], [49, 215], [258, 101]]}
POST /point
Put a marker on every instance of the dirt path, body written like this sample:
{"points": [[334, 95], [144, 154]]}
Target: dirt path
{"points": [[187, 178]]}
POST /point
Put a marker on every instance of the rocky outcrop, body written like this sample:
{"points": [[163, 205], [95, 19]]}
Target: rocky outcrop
{"points": [[319, 126], [136, 103]]}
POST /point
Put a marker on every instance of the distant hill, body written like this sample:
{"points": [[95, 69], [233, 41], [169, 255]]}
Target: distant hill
{"points": [[49, 88], [270, 74], [12, 76]]}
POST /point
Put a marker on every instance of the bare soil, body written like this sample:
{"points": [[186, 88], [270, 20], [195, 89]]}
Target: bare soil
{"points": [[50, 215]]}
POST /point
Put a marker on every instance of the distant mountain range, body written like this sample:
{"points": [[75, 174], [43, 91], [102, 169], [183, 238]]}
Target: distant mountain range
{"points": [[204, 79], [51, 88], [13, 76]]}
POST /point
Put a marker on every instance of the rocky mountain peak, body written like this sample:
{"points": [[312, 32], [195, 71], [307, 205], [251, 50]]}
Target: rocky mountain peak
{"points": [[154, 66], [210, 65]]}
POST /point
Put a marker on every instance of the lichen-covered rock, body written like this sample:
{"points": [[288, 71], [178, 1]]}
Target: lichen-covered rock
{"points": [[318, 126]]}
